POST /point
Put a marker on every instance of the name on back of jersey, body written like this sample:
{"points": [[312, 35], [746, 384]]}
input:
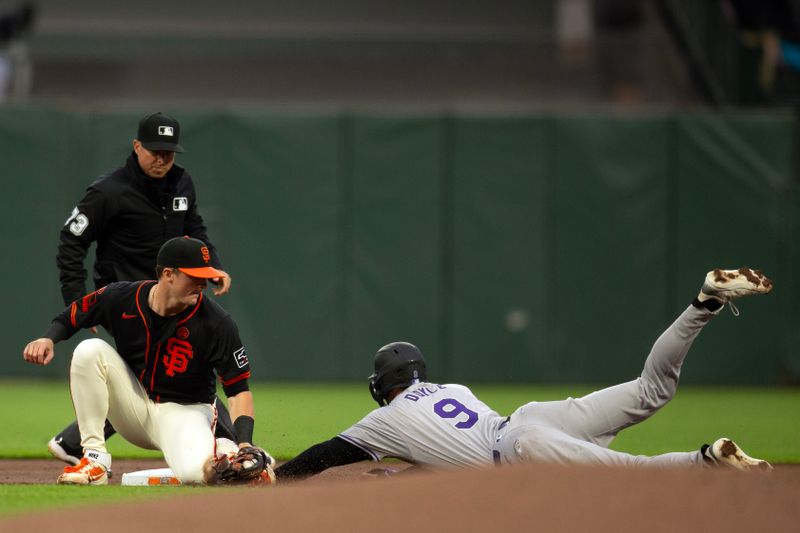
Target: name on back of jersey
{"points": [[424, 391]]}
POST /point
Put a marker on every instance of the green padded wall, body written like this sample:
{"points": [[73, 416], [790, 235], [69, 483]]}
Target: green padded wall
{"points": [[732, 186], [38, 151], [270, 195], [498, 199], [393, 250], [609, 245], [549, 248]]}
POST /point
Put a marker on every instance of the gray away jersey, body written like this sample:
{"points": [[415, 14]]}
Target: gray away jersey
{"points": [[430, 425]]}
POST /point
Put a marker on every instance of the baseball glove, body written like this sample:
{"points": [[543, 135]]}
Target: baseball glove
{"points": [[248, 464]]}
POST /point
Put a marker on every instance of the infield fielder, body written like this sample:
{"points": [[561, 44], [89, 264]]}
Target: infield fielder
{"points": [[157, 386]]}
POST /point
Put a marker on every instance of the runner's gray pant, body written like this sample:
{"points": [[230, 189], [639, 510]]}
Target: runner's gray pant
{"points": [[580, 430]]}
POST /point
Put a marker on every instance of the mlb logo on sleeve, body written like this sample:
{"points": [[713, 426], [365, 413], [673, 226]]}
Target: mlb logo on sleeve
{"points": [[180, 203]]}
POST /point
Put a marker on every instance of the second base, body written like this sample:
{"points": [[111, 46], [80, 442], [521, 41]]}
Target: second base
{"points": [[152, 477]]}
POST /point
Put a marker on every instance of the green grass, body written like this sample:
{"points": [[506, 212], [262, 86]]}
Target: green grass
{"points": [[764, 421], [19, 499], [291, 417]]}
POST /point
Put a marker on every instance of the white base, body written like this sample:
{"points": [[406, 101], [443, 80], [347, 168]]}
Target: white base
{"points": [[165, 476], [153, 477]]}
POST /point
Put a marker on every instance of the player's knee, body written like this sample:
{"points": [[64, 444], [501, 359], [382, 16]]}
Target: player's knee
{"points": [[88, 352], [654, 395], [191, 473]]}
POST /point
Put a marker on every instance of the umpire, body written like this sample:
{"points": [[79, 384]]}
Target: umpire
{"points": [[130, 213]]}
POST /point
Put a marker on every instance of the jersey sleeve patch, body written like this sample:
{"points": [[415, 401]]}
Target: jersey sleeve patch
{"points": [[241, 357], [77, 222]]}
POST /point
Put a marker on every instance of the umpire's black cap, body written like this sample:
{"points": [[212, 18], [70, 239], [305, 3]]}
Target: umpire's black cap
{"points": [[160, 132]]}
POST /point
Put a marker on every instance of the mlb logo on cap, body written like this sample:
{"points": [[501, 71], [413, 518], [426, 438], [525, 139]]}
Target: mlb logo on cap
{"points": [[159, 132]]}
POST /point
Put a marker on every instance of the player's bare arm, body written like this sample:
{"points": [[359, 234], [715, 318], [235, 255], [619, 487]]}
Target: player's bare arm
{"points": [[39, 351], [242, 405]]}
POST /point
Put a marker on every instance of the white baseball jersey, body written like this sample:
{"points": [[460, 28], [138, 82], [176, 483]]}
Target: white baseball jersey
{"points": [[430, 425]]}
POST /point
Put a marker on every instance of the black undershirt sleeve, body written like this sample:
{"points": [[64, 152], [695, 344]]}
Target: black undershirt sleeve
{"points": [[334, 452], [57, 332]]}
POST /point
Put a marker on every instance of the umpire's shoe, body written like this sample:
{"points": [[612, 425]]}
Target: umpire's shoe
{"points": [[59, 449], [722, 286], [725, 452], [89, 471]]}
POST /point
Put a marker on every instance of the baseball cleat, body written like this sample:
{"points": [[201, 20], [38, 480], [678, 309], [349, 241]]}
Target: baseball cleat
{"points": [[86, 472], [726, 285], [725, 452], [60, 452]]}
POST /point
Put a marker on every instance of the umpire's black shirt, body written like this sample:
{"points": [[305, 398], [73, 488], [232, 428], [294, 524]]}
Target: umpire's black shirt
{"points": [[130, 215]]}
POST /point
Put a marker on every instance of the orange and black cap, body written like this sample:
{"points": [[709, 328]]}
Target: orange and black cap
{"points": [[189, 255]]}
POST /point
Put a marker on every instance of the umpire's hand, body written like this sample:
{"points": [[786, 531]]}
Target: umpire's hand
{"points": [[39, 352], [224, 284]]}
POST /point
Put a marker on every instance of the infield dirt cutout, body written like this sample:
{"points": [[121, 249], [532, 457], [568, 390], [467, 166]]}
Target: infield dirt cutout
{"points": [[541, 498]]}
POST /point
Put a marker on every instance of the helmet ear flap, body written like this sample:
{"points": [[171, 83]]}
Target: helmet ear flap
{"points": [[376, 394]]}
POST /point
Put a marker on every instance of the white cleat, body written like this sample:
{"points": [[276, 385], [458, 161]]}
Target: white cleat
{"points": [[726, 285], [725, 452]]}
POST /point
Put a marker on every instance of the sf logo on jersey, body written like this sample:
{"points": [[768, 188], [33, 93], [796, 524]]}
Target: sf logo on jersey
{"points": [[178, 354]]}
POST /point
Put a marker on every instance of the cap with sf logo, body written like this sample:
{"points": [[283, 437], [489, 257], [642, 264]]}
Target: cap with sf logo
{"points": [[190, 256], [160, 132]]}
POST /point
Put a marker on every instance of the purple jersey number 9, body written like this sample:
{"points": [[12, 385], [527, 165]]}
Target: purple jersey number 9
{"points": [[456, 408]]}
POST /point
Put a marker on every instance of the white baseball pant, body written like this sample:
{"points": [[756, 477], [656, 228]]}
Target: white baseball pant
{"points": [[580, 430], [104, 387]]}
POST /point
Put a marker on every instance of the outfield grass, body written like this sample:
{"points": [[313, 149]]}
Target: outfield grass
{"points": [[290, 417], [765, 421]]}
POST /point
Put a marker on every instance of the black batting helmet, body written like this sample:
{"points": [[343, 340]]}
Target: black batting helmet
{"points": [[398, 364]]}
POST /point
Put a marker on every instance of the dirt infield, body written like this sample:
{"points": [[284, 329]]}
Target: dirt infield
{"points": [[533, 498], [46, 471]]}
